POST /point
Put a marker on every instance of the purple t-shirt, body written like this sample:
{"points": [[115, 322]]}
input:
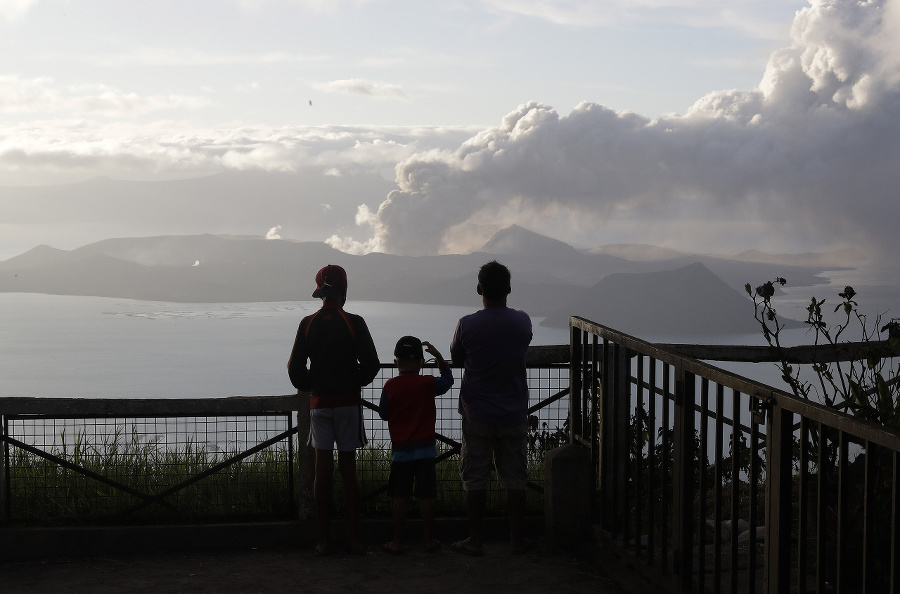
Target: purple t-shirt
{"points": [[492, 344]]}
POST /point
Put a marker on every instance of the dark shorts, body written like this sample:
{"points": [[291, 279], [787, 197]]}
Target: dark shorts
{"points": [[404, 474]]}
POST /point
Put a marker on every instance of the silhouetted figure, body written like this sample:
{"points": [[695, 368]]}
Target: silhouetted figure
{"points": [[407, 404], [493, 400], [341, 360]]}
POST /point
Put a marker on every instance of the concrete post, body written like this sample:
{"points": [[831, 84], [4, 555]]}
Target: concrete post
{"points": [[567, 495]]}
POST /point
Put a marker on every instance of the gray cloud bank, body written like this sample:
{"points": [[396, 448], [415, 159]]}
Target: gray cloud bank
{"points": [[811, 156], [808, 160]]}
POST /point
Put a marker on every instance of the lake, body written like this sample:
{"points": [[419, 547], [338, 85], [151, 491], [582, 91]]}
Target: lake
{"points": [[64, 346]]}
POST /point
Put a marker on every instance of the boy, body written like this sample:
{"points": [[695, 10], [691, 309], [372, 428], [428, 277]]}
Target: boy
{"points": [[407, 404]]}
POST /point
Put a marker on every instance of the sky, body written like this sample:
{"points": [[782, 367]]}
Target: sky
{"points": [[703, 125]]}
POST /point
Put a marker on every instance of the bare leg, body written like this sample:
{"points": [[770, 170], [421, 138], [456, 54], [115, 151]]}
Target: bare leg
{"points": [[475, 503], [322, 495], [515, 499], [399, 522], [426, 507], [347, 467]]}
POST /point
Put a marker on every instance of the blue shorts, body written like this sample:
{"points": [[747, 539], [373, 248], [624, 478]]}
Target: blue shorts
{"points": [[341, 425]]}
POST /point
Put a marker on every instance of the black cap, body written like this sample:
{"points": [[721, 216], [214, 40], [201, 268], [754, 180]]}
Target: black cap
{"points": [[409, 347]]}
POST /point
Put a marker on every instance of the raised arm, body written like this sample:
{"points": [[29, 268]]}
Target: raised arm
{"points": [[445, 382]]}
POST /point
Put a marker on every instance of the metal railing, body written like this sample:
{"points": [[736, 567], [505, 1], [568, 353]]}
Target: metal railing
{"points": [[77, 461], [118, 461], [548, 381], [718, 483]]}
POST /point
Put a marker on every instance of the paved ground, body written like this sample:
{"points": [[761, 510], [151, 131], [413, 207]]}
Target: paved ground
{"points": [[299, 570]]}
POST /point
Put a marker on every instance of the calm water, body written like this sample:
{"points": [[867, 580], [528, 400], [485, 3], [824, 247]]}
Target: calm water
{"points": [[61, 346]]}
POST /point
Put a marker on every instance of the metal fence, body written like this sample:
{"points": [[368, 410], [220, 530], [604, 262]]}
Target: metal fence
{"points": [[82, 461], [548, 381], [121, 461], [721, 484]]}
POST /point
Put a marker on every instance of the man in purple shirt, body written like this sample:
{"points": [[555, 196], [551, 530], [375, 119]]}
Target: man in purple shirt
{"points": [[493, 401]]}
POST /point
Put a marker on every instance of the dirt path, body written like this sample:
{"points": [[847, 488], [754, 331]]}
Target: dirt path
{"points": [[299, 570]]}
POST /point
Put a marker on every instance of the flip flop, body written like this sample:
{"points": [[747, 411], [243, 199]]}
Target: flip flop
{"points": [[461, 546], [322, 551], [356, 550], [434, 547], [390, 550]]}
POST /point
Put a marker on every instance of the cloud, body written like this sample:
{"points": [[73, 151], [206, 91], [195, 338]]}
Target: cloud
{"points": [[171, 148], [156, 56], [250, 87], [366, 88], [810, 156], [13, 10], [42, 95], [274, 232], [315, 6], [351, 246], [742, 16]]}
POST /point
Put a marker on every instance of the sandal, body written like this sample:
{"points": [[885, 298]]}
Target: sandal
{"points": [[462, 546]]}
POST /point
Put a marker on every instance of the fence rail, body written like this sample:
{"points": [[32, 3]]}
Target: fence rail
{"points": [[82, 460], [722, 484], [713, 481]]}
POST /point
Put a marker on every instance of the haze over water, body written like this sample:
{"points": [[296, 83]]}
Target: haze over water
{"points": [[60, 346]]}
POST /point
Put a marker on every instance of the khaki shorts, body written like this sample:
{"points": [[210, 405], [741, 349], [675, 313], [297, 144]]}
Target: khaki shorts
{"points": [[342, 425], [505, 445]]}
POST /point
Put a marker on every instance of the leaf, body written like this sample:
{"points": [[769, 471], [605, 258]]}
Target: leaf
{"points": [[858, 398], [748, 289], [885, 401]]}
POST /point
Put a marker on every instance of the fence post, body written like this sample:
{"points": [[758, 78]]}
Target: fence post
{"points": [[614, 434], [778, 500], [683, 472], [306, 462], [575, 379], [4, 502]]}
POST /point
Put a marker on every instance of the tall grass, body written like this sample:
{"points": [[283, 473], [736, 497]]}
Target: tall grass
{"points": [[45, 493]]}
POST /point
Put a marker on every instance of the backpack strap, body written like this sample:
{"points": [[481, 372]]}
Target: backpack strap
{"points": [[343, 315]]}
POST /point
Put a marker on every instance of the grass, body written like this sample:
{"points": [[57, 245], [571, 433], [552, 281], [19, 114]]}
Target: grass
{"points": [[45, 493], [257, 487]]}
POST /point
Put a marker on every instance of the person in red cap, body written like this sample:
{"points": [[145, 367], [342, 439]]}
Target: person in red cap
{"points": [[332, 359]]}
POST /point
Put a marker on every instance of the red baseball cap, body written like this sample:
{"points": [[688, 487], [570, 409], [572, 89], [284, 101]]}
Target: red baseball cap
{"points": [[330, 281]]}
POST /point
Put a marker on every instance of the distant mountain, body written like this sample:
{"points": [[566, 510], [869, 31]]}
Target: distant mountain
{"points": [[835, 259], [637, 251], [683, 302], [687, 294], [517, 240], [34, 256]]}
